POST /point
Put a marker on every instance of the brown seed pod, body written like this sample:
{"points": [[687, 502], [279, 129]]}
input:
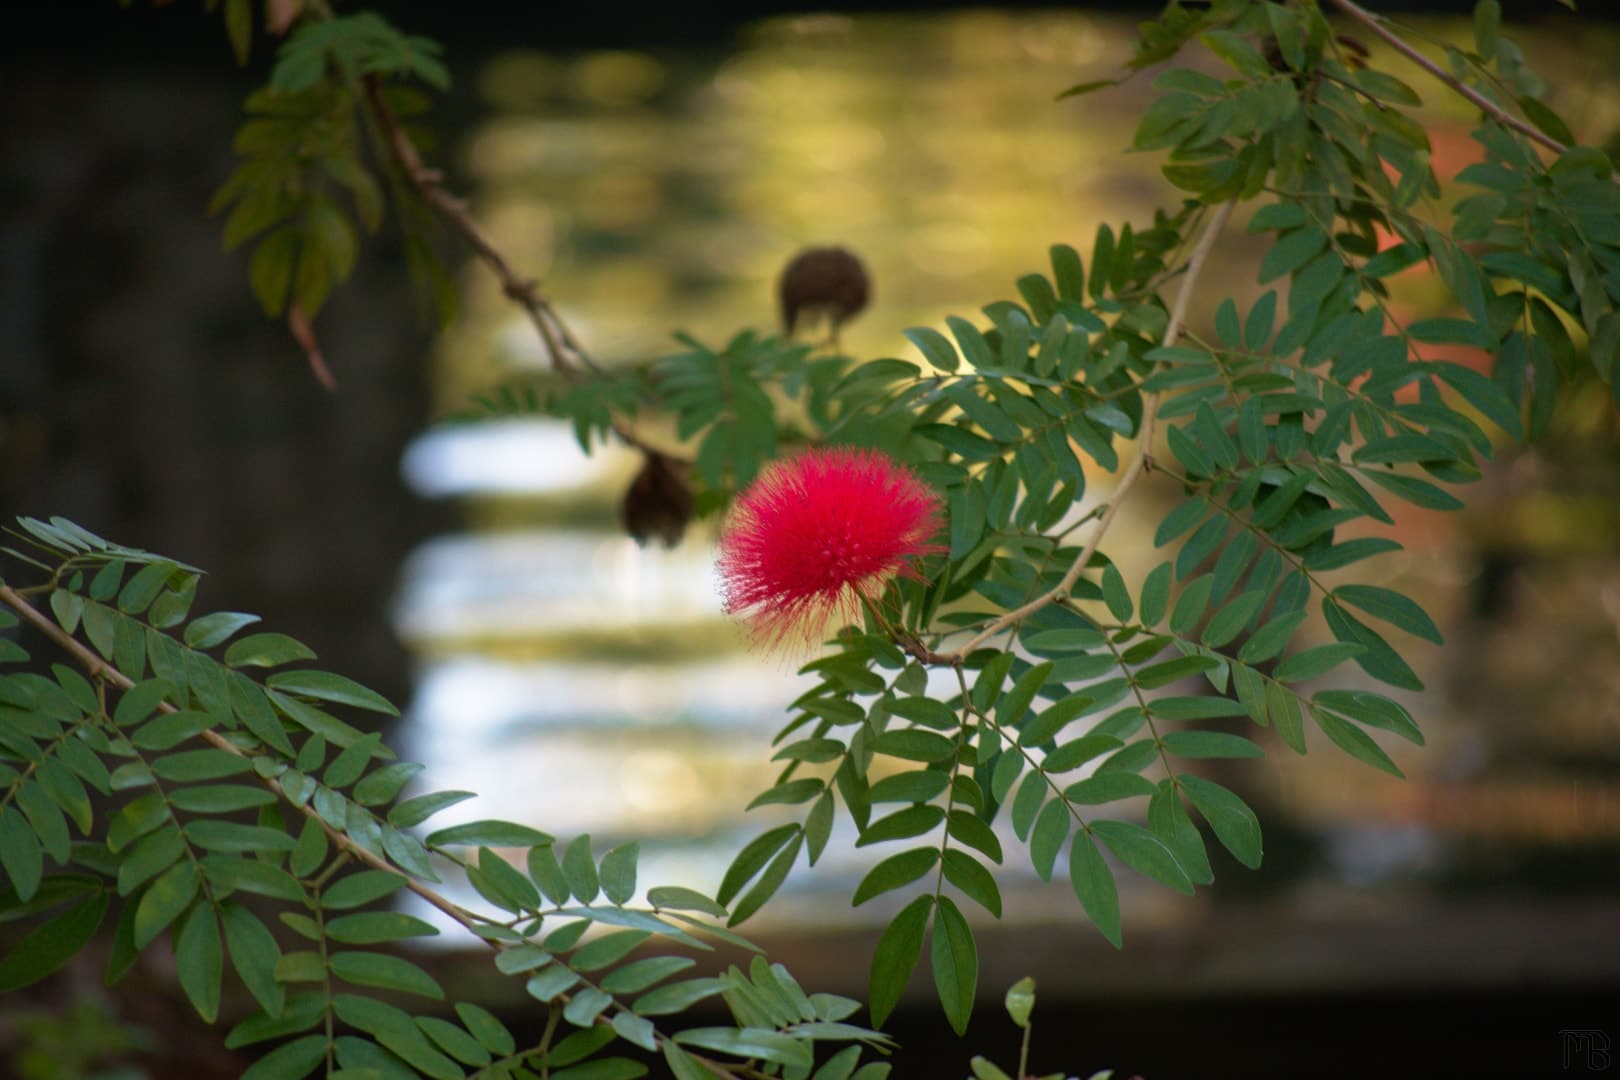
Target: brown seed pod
{"points": [[827, 282], [658, 502]]}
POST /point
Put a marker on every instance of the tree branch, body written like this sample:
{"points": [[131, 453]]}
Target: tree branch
{"points": [[1140, 465], [100, 669], [566, 353], [1399, 44], [429, 184]]}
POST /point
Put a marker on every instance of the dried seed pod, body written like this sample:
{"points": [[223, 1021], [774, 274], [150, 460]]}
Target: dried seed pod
{"points": [[827, 282], [658, 502]]}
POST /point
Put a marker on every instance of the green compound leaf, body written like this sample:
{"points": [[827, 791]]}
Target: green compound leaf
{"points": [[230, 836], [640, 975], [384, 972], [310, 851], [897, 953], [678, 997], [380, 787], [502, 885], [1053, 719], [752, 859], [292, 1061], [454, 1041], [394, 1029], [895, 871], [955, 960], [1392, 607], [636, 1030], [1234, 823], [150, 855], [976, 882], [302, 1012], [266, 650], [682, 1066], [326, 686], [546, 872], [164, 900], [1316, 661], [1371, 709], [489, 1031], [1211, 744], [1094, 886], [219, 798], [1377, 659], [196, 765], [585, 1006], [138, 702], [750, 1042], [902, 824], [484, 834], [199, 960], [771, 880], [216, 629], [360, 888], [1355, 742], [680, 898], [1013, 704], [579, 868], [377, 928], [52, 944], [1106, 787], [346, 768], [1169, 821], [607, 950], [255, 956], [416, 810], [913, 745], [1051, 829], [1144, 852]]}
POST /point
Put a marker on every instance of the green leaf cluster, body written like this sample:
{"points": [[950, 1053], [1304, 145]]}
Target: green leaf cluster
{"points": [[200, 783]]}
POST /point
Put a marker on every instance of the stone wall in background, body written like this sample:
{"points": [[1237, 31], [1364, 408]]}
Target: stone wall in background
{"points": [[145, 395]]}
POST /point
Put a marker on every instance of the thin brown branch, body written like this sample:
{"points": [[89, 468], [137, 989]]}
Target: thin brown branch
{"points": [[1376, 24], [429, 184], [566, 353], [1142, 462], [303, 332]]}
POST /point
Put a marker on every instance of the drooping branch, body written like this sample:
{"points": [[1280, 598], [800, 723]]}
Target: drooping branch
{"points": [[568, 357], [1375, 24], [563, 349], [100, 669], [1139, 465]]}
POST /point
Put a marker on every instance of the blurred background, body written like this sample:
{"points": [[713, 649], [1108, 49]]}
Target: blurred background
{"points": [[656, 173]]}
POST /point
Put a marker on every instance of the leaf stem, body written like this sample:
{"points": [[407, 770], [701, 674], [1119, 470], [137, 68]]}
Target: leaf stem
{"points": [[1142, 462], [429, 183], [1375, 23], [106, 673]]}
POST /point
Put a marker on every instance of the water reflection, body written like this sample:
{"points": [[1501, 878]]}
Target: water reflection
{"points": [[550, 587], [511, 456], [583, 684]]}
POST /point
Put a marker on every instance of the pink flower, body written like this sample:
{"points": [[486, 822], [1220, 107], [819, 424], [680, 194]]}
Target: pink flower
{"points": [[818, 533]]}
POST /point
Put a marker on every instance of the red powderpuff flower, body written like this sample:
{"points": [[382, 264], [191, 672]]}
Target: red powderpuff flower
{"points": [[818, 533]]}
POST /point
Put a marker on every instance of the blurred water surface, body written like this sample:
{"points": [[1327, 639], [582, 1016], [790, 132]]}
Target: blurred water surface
{"points": [[583, 684]]}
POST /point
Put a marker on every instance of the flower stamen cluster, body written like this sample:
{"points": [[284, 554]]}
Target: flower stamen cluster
{"points": [[819, 533]]}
